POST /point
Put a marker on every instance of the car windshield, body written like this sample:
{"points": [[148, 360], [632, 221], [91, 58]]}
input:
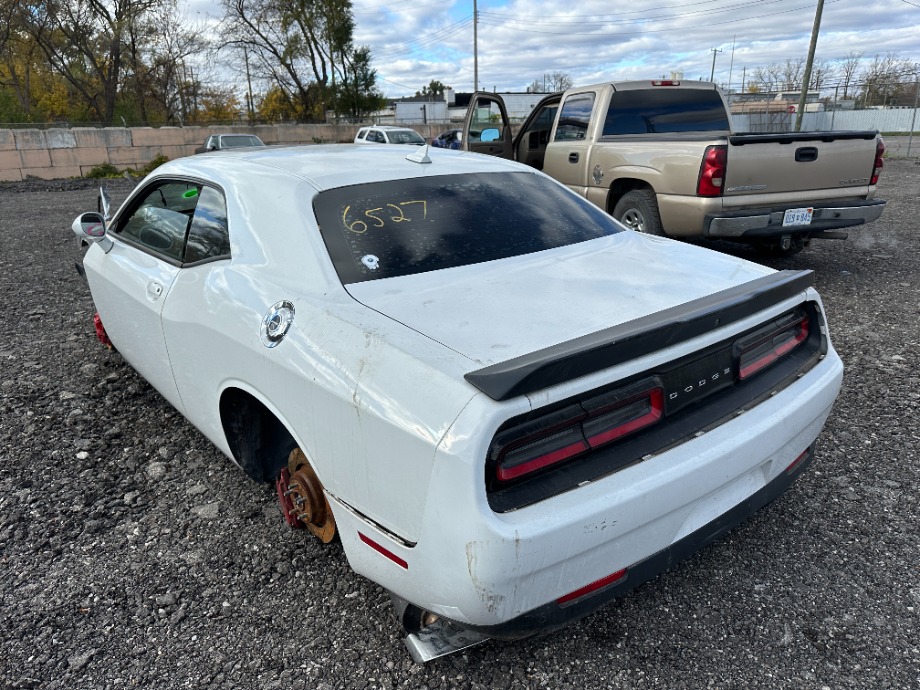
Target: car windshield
{"points": [[405, 136], [403, 227], [240, 140]]}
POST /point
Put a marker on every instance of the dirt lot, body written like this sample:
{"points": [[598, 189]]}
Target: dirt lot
{"points": [[132, 554]]}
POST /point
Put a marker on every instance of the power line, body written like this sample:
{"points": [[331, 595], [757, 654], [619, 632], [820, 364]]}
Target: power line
{"points": [[505, 24], [599, 20]]}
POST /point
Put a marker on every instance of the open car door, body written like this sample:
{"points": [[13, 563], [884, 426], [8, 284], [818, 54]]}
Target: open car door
{"points": [[486, 128]]}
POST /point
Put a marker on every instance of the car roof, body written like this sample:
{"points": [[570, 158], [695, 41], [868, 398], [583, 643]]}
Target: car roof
{"points": [[331, 165]]}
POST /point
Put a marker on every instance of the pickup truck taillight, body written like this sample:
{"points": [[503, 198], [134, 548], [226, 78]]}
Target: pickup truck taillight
{"points": [[712, 171], [879, 161]]}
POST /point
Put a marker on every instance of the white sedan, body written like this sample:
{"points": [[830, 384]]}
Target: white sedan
{"points": [[510, 408]]}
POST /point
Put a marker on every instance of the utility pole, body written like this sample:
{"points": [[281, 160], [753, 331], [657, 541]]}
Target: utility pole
{"points": [[475, 48], [808, 63], [249, 105], [731, 66], [712, 74]]}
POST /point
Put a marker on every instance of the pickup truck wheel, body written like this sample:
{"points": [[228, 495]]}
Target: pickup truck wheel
{"points": [[638, 210]]}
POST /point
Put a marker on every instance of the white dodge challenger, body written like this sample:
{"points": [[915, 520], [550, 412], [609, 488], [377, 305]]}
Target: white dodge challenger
{"points": [[509, 408]]}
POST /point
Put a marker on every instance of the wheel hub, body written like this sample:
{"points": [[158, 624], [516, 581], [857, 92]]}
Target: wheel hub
{"points": [[633, 220], [302, 498]]}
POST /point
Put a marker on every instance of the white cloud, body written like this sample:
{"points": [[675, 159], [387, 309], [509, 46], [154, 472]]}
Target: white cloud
{"points": [[415, 41]]}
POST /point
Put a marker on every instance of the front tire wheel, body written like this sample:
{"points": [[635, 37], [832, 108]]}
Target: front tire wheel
{"points": [[638, 210]]}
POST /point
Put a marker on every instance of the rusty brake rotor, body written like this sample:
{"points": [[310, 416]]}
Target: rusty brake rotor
{"points": [[303, 500]]}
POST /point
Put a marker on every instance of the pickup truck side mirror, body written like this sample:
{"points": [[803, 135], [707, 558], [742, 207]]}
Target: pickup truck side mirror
{"points": [[490, 134]]}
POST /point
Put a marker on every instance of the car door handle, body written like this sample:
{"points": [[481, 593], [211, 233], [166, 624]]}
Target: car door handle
{"points": [[573, 157], [154, 290]]}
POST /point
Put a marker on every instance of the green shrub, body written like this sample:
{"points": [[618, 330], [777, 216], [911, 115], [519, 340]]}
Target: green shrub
{"points": [[153, 165], [103, 170]]}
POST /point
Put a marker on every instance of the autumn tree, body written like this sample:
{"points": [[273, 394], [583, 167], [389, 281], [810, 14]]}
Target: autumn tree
{"points": [[303, 48], [86, 42], [163, 76]]}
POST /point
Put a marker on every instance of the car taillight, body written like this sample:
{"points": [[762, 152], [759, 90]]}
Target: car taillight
{"points": [[712, 171], [540, 443], [879, 161], [765, 346], [568, 433], [611, 420], [665, 82]]}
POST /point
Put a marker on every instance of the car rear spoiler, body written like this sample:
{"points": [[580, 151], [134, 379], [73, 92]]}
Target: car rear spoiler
{"points": [[611, 346]]}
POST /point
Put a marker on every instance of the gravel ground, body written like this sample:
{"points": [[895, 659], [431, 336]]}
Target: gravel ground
{"points": [[133, 554]]}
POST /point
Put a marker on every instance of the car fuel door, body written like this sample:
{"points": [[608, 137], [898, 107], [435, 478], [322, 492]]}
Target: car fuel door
{"points": [[486, 128]]}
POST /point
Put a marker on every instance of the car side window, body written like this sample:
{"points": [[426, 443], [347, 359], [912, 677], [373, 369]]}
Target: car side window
{"points": [[160, 220], [575, 116], [208, 236], [376, 137]]}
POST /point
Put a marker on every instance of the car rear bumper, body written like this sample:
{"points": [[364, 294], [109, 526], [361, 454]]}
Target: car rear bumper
{"points": [[503, 574], [768, 222], [556, 615]]}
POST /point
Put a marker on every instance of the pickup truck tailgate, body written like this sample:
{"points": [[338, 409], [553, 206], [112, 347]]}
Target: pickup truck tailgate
{"points": [[797, 162]]}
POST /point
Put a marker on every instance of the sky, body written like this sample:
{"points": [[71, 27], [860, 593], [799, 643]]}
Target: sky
{"points": [[518, 41]]}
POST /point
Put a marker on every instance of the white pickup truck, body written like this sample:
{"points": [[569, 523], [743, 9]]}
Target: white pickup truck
{"points": [[660, 156]]}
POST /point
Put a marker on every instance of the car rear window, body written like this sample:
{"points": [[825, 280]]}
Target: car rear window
{"points": [[240, 140], [405, 136], [402, 227], [665, 110]]}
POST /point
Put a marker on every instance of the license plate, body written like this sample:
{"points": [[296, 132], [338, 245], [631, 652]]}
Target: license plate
{"points": [[797, 216]]}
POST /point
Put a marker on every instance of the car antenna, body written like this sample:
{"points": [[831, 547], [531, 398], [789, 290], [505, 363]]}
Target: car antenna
{"points": [[420, 156]]}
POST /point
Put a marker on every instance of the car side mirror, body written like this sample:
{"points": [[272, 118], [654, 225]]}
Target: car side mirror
{"points": [[90, 228]]}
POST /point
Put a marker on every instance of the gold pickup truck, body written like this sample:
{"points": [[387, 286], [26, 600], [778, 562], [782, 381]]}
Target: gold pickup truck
{"points": [[660, 156]]}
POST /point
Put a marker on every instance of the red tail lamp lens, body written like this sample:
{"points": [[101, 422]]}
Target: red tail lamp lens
{"points": [[568, 433], [593, 587], [712, 171], [764, 347], [541, 452], [623, 420], [879, 161]]}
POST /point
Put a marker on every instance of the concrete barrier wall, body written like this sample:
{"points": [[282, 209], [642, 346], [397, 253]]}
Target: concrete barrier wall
{"points": [[60, 153]]}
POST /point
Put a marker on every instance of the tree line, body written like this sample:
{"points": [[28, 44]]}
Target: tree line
{"points": [[140, 61], [884, 80]]}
